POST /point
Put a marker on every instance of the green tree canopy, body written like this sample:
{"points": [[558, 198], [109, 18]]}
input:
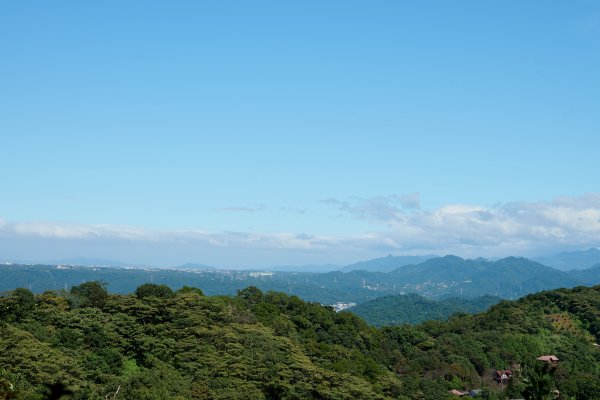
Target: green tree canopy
{"points": [[153, 290], [89, 294]]}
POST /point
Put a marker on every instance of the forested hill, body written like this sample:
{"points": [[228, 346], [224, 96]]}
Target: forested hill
{"points": [[159, 344], [510, 277], [412, 308], [435, 278]]}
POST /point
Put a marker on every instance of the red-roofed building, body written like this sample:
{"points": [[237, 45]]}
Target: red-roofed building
{"points": [[502, 375]]}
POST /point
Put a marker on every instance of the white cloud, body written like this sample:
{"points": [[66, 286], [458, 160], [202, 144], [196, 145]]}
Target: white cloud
{"points": [[567, 221], [63, 231], [515, 228]]}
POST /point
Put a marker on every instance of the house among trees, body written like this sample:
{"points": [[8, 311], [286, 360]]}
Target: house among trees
{"points": [[552, 359], [467, 393], [502, 375]]}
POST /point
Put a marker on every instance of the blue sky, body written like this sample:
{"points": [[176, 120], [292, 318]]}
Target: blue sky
{"points": [[261, 133]]}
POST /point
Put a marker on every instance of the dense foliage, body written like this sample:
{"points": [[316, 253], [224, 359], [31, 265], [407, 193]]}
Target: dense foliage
{"points": [[413, 309], [160, 344]]}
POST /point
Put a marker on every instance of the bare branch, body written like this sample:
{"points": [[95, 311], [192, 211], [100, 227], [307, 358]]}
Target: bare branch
{"points": [[113, 395]]}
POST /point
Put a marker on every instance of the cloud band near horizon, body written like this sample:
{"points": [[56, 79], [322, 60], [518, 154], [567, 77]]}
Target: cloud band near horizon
{"points": [[399, 225]]}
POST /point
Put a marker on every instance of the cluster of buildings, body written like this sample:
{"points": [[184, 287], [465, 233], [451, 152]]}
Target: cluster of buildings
{"points": [[342, 306]]}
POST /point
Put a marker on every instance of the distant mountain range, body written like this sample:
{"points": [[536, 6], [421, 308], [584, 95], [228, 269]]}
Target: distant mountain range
{"points": [[572, 260], [588, 277], [436, 278], [565, 261], [386, 264]]}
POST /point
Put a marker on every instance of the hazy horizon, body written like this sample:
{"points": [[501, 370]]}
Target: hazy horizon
{"points": [[314, 267]]}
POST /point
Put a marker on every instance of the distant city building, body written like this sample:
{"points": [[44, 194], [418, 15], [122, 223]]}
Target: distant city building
{"points": [[260, 274]]}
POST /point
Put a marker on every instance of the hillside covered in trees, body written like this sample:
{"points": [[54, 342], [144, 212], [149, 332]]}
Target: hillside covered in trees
{"points": [[160, 344], [412, 308]]}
